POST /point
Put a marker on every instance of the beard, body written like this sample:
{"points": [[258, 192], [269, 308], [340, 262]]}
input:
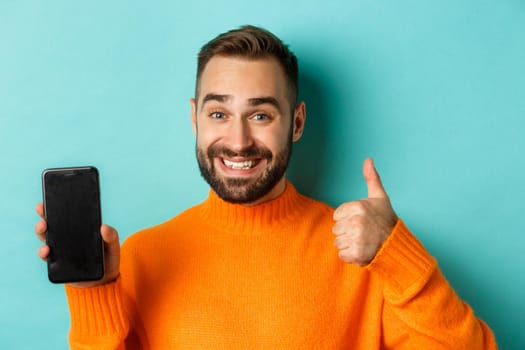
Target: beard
{"points": [[242, 190]]}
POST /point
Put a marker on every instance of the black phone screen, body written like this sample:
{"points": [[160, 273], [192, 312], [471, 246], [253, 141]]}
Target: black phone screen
{"points": [[73, 214]]}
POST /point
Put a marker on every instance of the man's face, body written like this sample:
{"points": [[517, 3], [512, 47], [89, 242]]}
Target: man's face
{"points": [[245, 128]]}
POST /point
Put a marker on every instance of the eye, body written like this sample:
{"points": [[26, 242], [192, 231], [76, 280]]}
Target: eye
{"points": [[261, 117], [217, 115]]}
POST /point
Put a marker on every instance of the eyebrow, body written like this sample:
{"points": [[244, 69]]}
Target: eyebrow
{"points": [[215, 97], [254, 101]]}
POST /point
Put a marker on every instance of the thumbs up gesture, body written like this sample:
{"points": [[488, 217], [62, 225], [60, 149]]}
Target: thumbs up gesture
{"points": [[362, 226]]}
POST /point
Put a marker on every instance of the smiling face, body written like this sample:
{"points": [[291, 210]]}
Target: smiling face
{"points": [[245, 127]]}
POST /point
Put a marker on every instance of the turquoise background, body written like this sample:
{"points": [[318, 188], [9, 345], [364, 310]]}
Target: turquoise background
{"points": [[434, 91]]}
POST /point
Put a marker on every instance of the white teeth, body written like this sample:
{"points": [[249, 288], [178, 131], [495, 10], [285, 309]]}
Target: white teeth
{"points": [[239, 165]]}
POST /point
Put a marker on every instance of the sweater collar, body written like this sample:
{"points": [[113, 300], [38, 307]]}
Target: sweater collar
{"points": [[275, 214]]}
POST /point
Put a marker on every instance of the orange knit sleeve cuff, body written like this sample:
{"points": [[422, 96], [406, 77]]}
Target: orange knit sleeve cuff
{"points": [[97, 311], [403, 264]]}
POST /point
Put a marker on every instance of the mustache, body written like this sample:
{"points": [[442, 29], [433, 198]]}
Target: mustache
{"points": [[250, 152]]}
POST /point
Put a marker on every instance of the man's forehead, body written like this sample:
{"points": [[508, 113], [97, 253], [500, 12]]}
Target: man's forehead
{"points": [[229, 78]]}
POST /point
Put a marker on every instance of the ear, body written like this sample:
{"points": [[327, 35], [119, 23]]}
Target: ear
{"points": [[299, 118], [193, 115]]}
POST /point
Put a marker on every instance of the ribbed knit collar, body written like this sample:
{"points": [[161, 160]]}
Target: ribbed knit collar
{"points": [[269, 216]]}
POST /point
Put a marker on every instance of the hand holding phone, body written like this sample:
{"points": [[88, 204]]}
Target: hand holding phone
{"points": [[78, 247]]}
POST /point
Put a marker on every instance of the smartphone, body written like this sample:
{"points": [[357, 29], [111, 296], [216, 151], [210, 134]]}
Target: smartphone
{"points": [[73, 214]]}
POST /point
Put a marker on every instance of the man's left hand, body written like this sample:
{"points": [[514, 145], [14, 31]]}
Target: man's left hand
{"points": [[361, 227]]}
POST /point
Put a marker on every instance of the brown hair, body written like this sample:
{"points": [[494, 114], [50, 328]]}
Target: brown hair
{"points": [[251, 42]]}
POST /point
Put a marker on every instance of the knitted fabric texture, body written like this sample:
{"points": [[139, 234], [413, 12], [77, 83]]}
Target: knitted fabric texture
{"points": [[227, 276]]}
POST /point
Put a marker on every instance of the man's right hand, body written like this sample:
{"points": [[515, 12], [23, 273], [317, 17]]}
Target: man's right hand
{"points": [[111, 250]]}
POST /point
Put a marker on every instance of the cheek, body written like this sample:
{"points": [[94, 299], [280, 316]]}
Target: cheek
{"points": [[205, 136], [283, 134], [275, 140]]}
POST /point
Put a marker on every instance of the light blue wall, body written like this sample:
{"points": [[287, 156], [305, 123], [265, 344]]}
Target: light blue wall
{"points": [[434, 91]]}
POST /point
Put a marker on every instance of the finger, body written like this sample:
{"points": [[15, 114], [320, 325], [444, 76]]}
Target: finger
{"points": [[360, 256], [110, 237], [43, 252], [339, 228], [342, 242], [349, 226], [40, 230], [349, 209], [40, 210], [373, 181], [346, 255]]}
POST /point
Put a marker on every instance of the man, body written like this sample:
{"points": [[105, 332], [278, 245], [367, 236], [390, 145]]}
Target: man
{"points": [[254, 266]]}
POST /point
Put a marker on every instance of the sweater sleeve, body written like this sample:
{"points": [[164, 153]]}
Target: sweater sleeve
{"points": [[98, 319], [421, 309]]}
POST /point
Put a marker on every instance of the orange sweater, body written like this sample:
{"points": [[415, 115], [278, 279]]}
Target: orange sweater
{"points": [[225, 276]]}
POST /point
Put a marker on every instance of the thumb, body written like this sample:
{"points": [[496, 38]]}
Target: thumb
{"points": [[373, 182]]}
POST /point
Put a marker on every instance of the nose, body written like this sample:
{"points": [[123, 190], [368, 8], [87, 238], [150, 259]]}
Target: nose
{"points": [[239, 135]]}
